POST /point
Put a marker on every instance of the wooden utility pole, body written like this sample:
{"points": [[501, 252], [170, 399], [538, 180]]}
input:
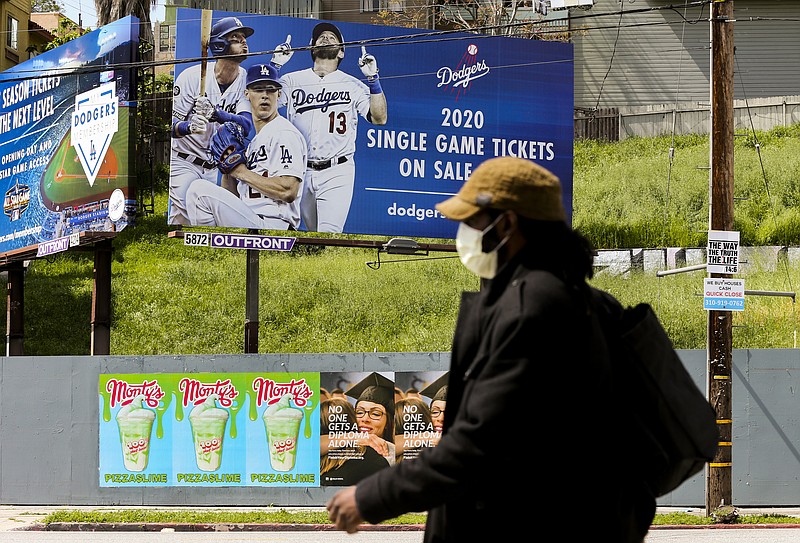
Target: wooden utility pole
{"points": [[720, 330]]}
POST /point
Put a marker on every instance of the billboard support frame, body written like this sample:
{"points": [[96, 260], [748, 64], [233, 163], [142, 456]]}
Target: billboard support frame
{"points": [[101, 299], [251, 300], [15, 307], [100, 336], [393, 246]]}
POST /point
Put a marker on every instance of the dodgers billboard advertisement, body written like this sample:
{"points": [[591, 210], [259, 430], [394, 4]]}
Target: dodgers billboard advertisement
{"points": [[64, 141], [354, 128]]}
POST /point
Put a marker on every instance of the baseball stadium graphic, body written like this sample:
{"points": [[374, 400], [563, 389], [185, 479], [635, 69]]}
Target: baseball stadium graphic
{"points": [[64, 180], [65, 139], [394, 121]]}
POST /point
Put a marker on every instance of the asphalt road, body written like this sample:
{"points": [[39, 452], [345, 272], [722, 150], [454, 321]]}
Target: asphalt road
{"points": [[725, 535], [701, 535], [21, 524], [209, 537]]}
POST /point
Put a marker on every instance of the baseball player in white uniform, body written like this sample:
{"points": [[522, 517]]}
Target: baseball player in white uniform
{"points": [[324, 104], [268, 185], [196, 114]]}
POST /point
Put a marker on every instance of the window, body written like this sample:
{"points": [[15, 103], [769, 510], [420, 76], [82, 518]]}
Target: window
{"points": [[12, 34], [382, 5], [166, 37]]}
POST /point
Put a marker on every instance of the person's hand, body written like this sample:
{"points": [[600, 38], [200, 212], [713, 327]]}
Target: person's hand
{"points": [[283, 53], [198, 124], [343, 510], [368, 64], [203, 106], [376, 442]]}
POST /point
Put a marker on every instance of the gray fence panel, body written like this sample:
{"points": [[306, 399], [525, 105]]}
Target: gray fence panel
{"points": [[49, 415]]}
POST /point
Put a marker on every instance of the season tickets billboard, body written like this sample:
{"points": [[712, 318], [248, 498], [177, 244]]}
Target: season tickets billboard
{"points": [[65, 124], [452, 101]]}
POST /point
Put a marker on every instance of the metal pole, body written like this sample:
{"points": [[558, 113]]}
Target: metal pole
{"points": [[251, 301], [101, 300], [15, 307], [720, 323]]}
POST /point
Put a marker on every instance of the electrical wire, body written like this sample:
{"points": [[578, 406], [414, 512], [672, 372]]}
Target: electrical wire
{"points": [[611, 60], [757, 146], [671, 157]]}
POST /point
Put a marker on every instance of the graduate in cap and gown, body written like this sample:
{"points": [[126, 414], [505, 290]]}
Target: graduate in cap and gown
{"points": [[374, 397]]}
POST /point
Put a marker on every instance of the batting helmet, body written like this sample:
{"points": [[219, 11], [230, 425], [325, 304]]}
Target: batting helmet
{"points": [[322, 27], [218, 44]]}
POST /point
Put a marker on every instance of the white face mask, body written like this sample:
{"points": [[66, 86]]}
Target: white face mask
{"points": [[469, 244]]}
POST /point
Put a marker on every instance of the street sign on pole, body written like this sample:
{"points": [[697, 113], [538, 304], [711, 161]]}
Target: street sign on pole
{"points": [[723, 294], [722, 253]]}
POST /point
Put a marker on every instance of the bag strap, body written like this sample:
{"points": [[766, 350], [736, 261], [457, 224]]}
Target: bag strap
{"points": [[609, 311]]}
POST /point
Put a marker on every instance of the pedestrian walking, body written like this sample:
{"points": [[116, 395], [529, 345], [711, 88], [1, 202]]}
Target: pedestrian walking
{"points": [[530, 426]]}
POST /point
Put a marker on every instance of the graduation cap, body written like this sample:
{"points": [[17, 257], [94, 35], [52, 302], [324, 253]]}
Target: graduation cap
{"points": [[374, 388], [437, 390]]}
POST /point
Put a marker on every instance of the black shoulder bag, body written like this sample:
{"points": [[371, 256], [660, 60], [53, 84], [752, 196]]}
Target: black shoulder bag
{"points": [[673, 427]]}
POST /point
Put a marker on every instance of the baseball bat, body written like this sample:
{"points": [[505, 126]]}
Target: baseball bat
{"points": [[205, 37]]}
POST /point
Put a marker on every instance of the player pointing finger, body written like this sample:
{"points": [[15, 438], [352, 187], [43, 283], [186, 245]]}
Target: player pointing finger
{"points": [[283, 53], [330, 129], [368, 64]]}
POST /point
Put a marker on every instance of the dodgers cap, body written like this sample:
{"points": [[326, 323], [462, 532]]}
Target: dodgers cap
{"points": [[265, 73]]}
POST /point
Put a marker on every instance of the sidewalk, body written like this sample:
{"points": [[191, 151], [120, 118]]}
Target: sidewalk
{"points": [[29, 518]]}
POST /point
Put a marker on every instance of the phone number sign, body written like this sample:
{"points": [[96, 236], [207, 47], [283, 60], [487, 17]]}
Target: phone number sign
{"points": [[723, 294]]}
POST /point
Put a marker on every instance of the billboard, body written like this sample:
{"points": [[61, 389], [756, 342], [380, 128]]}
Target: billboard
{"points": [[306, 429], [452, 100], [65, 140]]}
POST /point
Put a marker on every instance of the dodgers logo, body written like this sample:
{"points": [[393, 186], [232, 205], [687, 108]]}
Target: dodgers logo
{"points": [[468, 69], [94, 123]]}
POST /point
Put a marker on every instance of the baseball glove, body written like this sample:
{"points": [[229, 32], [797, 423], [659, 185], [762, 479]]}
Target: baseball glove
{"points": [[228, 146]]}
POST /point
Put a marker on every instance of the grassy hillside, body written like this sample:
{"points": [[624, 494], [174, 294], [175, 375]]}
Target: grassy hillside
{"points": [[171, 299]]}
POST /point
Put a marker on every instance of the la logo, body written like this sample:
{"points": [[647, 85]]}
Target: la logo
{"points": [[286, 156]]}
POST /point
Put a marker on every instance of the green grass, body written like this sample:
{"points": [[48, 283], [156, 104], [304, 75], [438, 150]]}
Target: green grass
{"points": [[282, 516], [168, 299], [138, 516]]}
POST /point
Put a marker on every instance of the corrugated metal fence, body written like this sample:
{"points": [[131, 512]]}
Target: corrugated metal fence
{"points": [[616, 124]]}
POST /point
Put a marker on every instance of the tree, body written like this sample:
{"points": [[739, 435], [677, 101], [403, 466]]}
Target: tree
{"points": [[112, 10], [492, 17], [46, 6], [66, 31]]}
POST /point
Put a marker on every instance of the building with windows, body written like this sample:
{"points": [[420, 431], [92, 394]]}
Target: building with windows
{"points": [[14, 16], [46, 26]]}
